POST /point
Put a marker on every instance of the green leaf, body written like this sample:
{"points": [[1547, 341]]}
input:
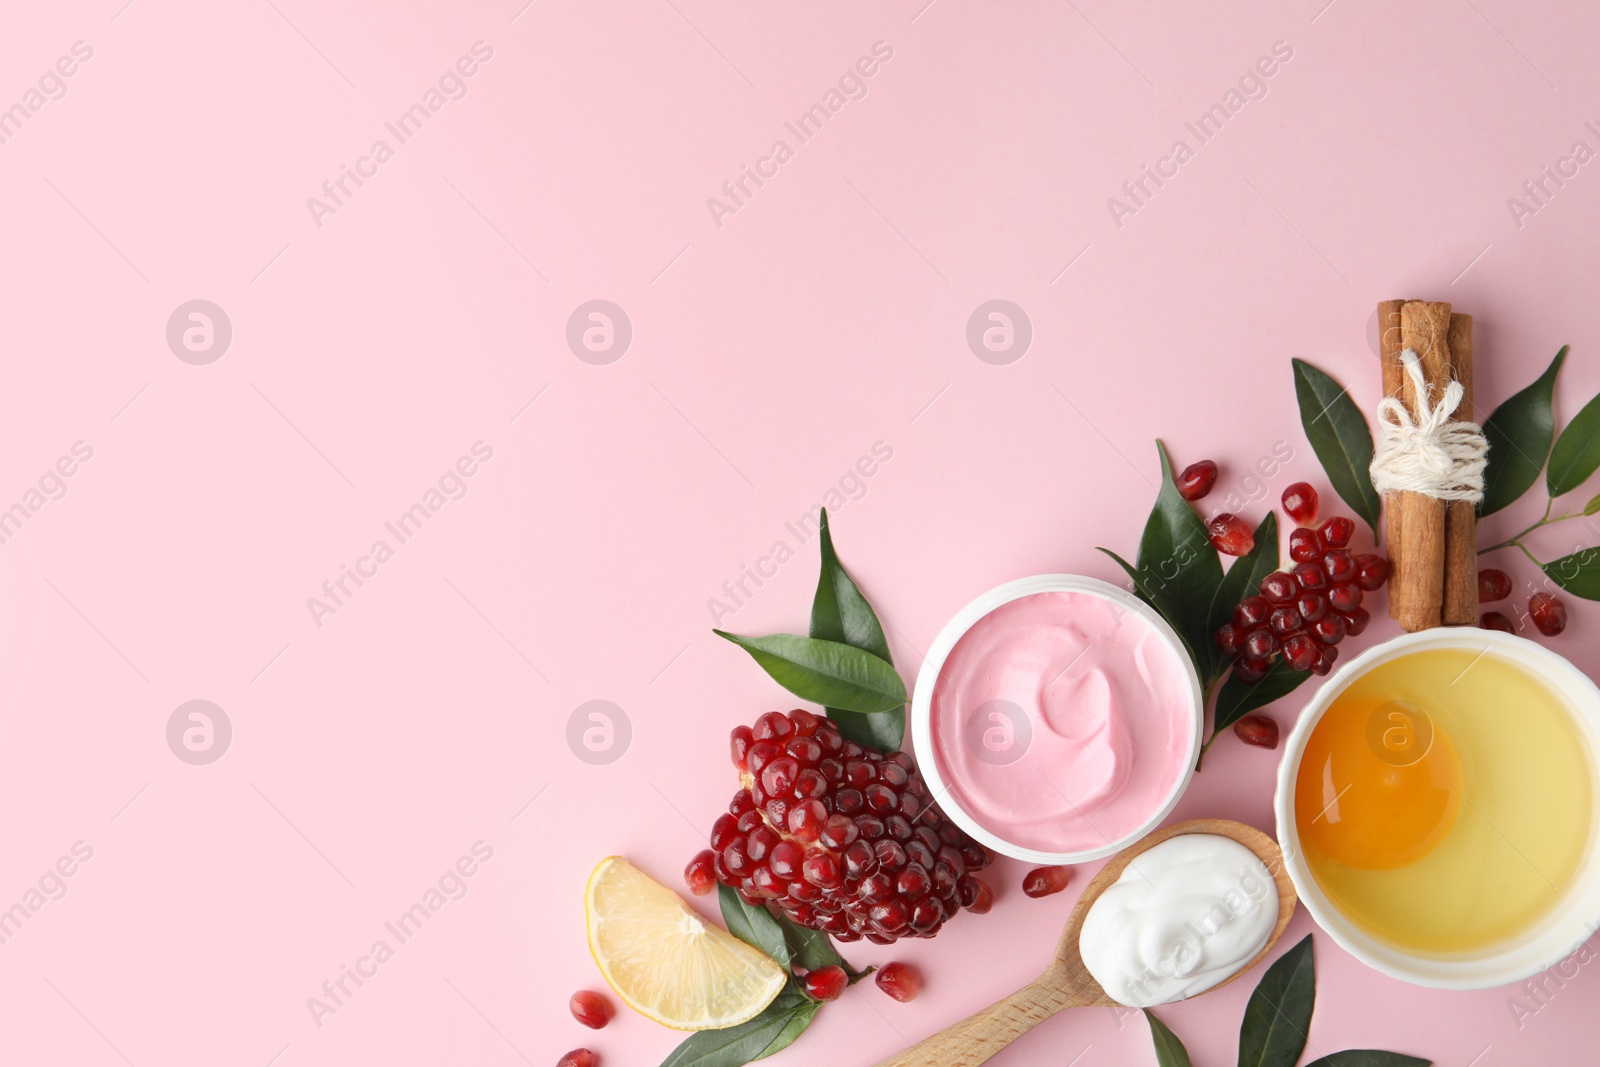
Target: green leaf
{"points": [[1273, 1033], [1169, 1050], [800, 1017], [774, 1029], [1592, 506], [1237, 699], [1366, 1057], [1340, 437], [754, 926], [1133, 572], [1519, 434], [826, 672], [787, 942], [811, 949], [1178, 571], [840, 613], [1577, 451], [1244, 575], [1578, 573], [881, 731]]}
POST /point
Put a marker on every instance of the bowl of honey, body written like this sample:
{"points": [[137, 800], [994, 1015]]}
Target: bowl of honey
{"points": [[1436, 808]]}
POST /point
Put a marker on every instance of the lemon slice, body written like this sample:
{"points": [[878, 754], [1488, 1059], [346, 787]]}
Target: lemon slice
{"points": [[665, 961]]}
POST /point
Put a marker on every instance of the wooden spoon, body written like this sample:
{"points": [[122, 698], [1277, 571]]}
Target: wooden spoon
{"points": [[1067, 983]]}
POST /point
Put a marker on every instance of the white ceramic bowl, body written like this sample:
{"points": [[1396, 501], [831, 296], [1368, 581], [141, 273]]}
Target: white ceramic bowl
{"points": [[1572, 921], [956, 628]]}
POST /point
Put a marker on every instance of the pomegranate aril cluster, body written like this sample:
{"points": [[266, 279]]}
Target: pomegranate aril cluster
{"points": [[1303, 613], [840, 838]]}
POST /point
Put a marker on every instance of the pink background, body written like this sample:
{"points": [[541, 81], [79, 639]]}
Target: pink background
{"points": [[768, 355]]}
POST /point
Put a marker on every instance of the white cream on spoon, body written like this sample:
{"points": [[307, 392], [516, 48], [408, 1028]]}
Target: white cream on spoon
{"points": [[1184, 916]]}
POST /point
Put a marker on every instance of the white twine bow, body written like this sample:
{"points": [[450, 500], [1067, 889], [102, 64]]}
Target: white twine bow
{"points": [[1428, 453]]}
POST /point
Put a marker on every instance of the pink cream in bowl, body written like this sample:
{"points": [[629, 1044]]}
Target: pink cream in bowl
{"points": [[1063, 722]]}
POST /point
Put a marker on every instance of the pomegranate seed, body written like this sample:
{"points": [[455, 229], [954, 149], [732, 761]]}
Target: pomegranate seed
{"points": [[1260, 645], [1326, 654], [809, 783], [1257, 730], [1329, 629], [806, 820], [1197, 479], [926, 915], [1493, 585], [1045, 881], [805, 723], [1311, 576], [859, 773], [724, 830], [1230, 535], [1549, 614], [913, 881], [1301, 652], [1300, 503], [876, 888], [1345, 598], [766, 883], [579, 1057], [1228, 639], [805, 749], [1336, 532], [701, 873], [739, 743], [1284, 622], [1252, 612], [760, 842], [891, 853], [1356, 621], [760, 754], [982, 897], [590, 1009], [1304, 545], [1494, 620], [1339, 565], [821, 870], [741, 803], [1372, 571], [881, 799], [1278, 588], [1311, 606], [1250, 671], [777, 812], [826, 983], [786, 859], [859, 860], [899, 981], [773, 726], [736, 859], [891, 916], [777, 778], [837, 832]]}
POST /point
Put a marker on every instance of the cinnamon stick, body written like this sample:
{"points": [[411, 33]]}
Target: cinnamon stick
{"points": [[1418, 584], [1389, 348], [1461, 516]]}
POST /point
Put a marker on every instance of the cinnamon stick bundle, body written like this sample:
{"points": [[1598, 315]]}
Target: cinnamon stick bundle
{"points": [[1432, 542]]}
